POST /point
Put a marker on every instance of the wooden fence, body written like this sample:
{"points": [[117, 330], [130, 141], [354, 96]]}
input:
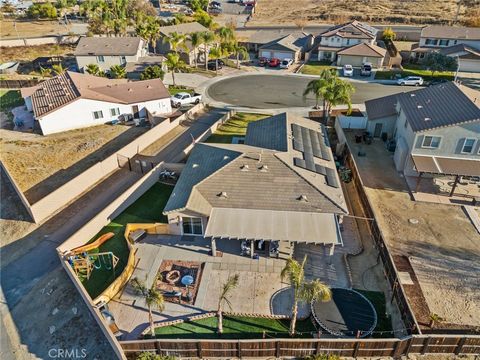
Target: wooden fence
{"points": [[278, 348], [18, 84]]}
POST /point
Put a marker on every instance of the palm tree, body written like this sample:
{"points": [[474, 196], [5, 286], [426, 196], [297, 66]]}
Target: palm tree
{"points": [[238, 51], [208, 38], [176, 40], [58, 69], [230, 284], [339, 93], [152, 296], [305, 291], [174, 64], [216, 53], [196, 39], [45, 72], [118, 72], [149, 29], [93, 69], [319, 87], [226, 34]]}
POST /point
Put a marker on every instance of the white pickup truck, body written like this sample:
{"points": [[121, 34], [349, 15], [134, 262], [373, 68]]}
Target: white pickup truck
{"points": [[185, 98]]}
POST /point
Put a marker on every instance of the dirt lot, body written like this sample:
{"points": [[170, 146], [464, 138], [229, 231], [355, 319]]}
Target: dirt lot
{"points": [[440, 242], [32, 28], [337, 11], [40, 164]]}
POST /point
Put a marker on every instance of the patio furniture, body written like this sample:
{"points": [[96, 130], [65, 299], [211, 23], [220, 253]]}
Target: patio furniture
{"points": [[187, 280], [172, 277]]}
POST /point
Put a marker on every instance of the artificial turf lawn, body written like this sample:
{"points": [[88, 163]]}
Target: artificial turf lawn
{"points": [[315, 67], [236, 126], [235, 327], [10, 99], [384, 323], [147, 209]]}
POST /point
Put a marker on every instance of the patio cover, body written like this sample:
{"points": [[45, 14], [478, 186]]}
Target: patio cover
{"points": [[295, 226], [447, 166]]}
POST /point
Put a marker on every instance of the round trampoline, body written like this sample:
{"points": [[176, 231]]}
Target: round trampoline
{"points": [[348, 314]]}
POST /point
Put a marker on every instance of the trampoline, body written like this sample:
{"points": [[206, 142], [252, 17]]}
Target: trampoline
{"points": [[348, 314]]}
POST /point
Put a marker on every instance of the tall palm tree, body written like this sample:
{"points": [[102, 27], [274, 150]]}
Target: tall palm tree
{"points": [[239, 51], [118, 72], [226, 34], [339, 93], [303, 290], [216, 53], [152, 296], [176, 40], [208, 38], [196, 39], [319, 86], [230, 284], [174, 64]]}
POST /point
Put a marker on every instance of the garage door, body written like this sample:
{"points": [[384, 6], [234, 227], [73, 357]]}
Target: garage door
{"points": [[350, 60], [265, 54], [283, 55], [469, 65]]}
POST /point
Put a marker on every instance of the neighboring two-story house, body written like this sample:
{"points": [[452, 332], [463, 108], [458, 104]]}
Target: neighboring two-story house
{"points": [[351, 43], [187, 51], [109, 51], [437, 129], [74, 100], [460, 42]]}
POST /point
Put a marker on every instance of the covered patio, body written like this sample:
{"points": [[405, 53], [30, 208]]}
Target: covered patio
{"points": [[268, 228]]}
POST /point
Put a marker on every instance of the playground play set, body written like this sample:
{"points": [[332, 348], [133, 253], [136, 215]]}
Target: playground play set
{"points": [[84, 259]]}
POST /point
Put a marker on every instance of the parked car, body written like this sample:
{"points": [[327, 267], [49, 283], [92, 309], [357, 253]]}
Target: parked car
{"points": [[348, 70], [212, 64], [215, 5], [285, 64], [411, 80], [274, 62], [185, 98], [366, 69], [263, 61]]}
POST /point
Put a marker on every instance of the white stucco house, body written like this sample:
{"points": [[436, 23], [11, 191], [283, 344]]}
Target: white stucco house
{"points": [[73, 100], [108, 51]]}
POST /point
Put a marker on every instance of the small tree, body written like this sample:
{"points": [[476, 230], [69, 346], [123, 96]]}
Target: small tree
{"points": [[152, 72], [118, 72], [174, 64], [176, 41], [305, 291], [389, 34], [435, 61], [230, 284], [434, 318], [239, 51], [94, 69], [45, 72], [152, 296], [216, 53], [58, 69]]}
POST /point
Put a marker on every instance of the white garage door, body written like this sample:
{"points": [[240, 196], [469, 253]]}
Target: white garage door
{"points": [[283, 55], [265, 54], [469, 65]]}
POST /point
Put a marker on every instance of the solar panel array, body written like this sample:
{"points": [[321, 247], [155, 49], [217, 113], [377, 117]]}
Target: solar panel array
{"points": [[313, 145]]}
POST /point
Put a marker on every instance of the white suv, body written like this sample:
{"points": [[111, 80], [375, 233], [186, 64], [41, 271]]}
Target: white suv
{"points": [[285, 64], [410, 80], [348, 70]]}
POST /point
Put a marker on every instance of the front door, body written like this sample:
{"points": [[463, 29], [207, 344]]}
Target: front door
{"points": [[136, 113], [378, 130]]}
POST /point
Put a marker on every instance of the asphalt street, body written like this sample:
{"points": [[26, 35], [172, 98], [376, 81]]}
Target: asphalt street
{"points": [[277, 91]]}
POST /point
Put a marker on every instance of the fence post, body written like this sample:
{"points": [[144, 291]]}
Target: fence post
{"points": [[425, 345], [199, 349], [396, 348], [239, 349], [277, 350], [318, 348], [158, 346], [355, 349], [459, 347], [409, 346]]}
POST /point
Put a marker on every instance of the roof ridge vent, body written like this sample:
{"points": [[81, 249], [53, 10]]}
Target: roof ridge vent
{"points": [[263, 168], [412, 94], [428, 119], [222, 194], [419, 107], [303, 198], [149, 86], [244, 167]]}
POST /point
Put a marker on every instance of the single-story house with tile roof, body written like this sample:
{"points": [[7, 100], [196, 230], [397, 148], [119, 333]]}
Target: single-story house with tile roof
{"points": [[468, 57], [280, 185], [292, 46], [73, 101], [362, 53], [437, 129], [109, 51], [188, 52]]}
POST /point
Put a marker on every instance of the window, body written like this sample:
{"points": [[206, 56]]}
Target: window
{"points": [[348, 41], [431, 142], [192, 226], [406, 124], [443, 43], [100, 59], [123, 60], [97, 115], [431, 42], [115, 111], [468, 145]]}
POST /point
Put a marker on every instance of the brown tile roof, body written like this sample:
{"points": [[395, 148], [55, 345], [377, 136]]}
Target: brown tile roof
{"points": [[448, 166], [109, 46], [363, 49], [61, 90], [450, 32], [353, 29]]}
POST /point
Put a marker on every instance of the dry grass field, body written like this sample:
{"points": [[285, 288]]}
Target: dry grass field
{"points": [[338, 11], [29, 53], [32, 28]]}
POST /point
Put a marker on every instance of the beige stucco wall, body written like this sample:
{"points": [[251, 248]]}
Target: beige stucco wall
{"points": [[358, 60]]}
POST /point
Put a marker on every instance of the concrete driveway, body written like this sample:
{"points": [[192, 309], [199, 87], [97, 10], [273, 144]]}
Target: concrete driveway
{"points": [[266, 91]]}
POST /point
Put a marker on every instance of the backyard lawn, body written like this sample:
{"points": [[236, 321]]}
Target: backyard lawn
{"points": [[10, 99], [414, 70], [237, 327], [315, 67], [236, 126], [384, 323], [176, 89], [147, 209]]}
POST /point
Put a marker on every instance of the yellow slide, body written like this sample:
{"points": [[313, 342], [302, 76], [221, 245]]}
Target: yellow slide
{"points": [[93, 245]]}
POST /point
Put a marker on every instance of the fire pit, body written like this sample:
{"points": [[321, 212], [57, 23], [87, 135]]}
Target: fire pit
{"points": [[172, 277]]}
